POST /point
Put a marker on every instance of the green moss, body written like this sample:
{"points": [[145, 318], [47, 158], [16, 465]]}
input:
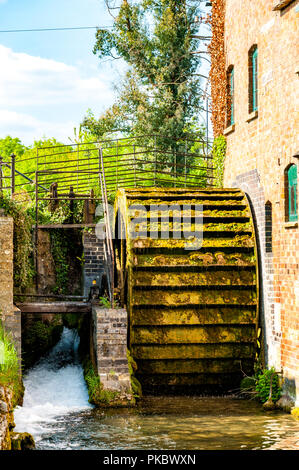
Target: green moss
{"points": [[295, 413], [39, 338], [73, 321], [22, 241], [135, 384], [248, 384], [97, 395], [22, 441]]}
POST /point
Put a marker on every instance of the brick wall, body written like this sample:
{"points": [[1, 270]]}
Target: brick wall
{"points": [[93, 260], [110, 345], [259, 149]]}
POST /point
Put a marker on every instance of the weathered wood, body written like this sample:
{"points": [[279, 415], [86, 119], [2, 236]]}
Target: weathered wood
{"points": [[49, 226], [192, 312], [54, 307]]}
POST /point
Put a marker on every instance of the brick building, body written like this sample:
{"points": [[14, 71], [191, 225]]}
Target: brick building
{"points": [[256, 52]]}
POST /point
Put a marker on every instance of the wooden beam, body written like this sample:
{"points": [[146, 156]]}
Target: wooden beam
{"points": [[48, 226], [282, 4], [54, 307]]}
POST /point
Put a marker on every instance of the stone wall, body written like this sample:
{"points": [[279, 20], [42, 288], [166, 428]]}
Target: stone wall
{"points": [[6, 418], [11, 316], [110, 345], [6, 265], [93, 260], [260, 147]]}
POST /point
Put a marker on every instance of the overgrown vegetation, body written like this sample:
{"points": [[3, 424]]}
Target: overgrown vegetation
{"points": [[219, 153], [39, 337], [264, 385], [98, 396], [266, 381], [60, 248], [22, 241], [10, 367], [218, 67], [161, 91], [136, 385]]}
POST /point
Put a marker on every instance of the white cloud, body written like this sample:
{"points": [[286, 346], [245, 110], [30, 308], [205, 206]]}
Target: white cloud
{"points": [[41, 94], [29, 128], [34, 81]]}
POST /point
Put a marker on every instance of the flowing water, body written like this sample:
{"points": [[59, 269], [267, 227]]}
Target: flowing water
{"points": [[56, 411]]}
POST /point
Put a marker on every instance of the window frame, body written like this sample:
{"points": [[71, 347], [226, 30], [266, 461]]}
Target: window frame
{"points": [[292, 194], [230, 104], [253, 79]]}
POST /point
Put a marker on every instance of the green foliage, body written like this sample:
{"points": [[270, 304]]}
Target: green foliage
{"points": [[105, 302], [40, 338], [219, 152], [263, 385], [9, 363], [10, 367], [60, 248], [8, 145], [161, 90], [97, 395], [248, 384], [22, 240]]}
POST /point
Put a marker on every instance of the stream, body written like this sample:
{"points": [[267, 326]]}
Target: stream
{"points": [[57, 413]]}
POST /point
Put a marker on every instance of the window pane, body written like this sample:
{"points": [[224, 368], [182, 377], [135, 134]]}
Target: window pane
{"points": [[292, 193]]}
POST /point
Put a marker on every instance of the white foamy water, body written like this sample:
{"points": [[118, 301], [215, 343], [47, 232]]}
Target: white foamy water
{"points": [[54, 387]]}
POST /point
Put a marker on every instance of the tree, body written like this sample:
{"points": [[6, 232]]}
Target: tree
{"points": [[10, 145], [161, 90]]}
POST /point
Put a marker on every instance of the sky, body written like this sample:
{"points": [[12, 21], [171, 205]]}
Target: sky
{"points": [[48, 80]]}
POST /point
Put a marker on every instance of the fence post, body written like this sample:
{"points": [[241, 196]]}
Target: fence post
{"points": [[116, 165], [155, 180], [134, 167], [13, 164], [185, 163]]}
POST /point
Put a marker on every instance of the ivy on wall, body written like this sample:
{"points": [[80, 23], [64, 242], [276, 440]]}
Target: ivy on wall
{"points": [[22, 242], [218, 67], [60, 247], [219, 152]]}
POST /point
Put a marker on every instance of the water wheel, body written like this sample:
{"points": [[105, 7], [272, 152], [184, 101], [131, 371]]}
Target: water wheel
{"points": [[192, 313]]}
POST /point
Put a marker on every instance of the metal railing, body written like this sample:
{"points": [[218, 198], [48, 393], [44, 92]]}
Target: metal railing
{"points": [[108, 244], [93, 171]]}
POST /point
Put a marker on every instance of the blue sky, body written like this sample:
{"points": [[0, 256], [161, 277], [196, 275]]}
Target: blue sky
{"points": [[48, 80]]}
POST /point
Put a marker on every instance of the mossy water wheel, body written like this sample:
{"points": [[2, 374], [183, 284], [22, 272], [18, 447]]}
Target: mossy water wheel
{"points": [[192, 313]]}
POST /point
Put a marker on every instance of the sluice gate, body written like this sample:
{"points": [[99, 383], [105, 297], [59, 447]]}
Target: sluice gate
{"points": [[193, 313]]}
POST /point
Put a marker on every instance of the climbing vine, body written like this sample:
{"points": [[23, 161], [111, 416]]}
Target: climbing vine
{"points": [[219, 152], [22, 242], [218, 67], [59, 249]]}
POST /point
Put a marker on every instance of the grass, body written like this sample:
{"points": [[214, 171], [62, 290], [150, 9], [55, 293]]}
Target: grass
{"points": [[9, 367], [9, 363]]}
